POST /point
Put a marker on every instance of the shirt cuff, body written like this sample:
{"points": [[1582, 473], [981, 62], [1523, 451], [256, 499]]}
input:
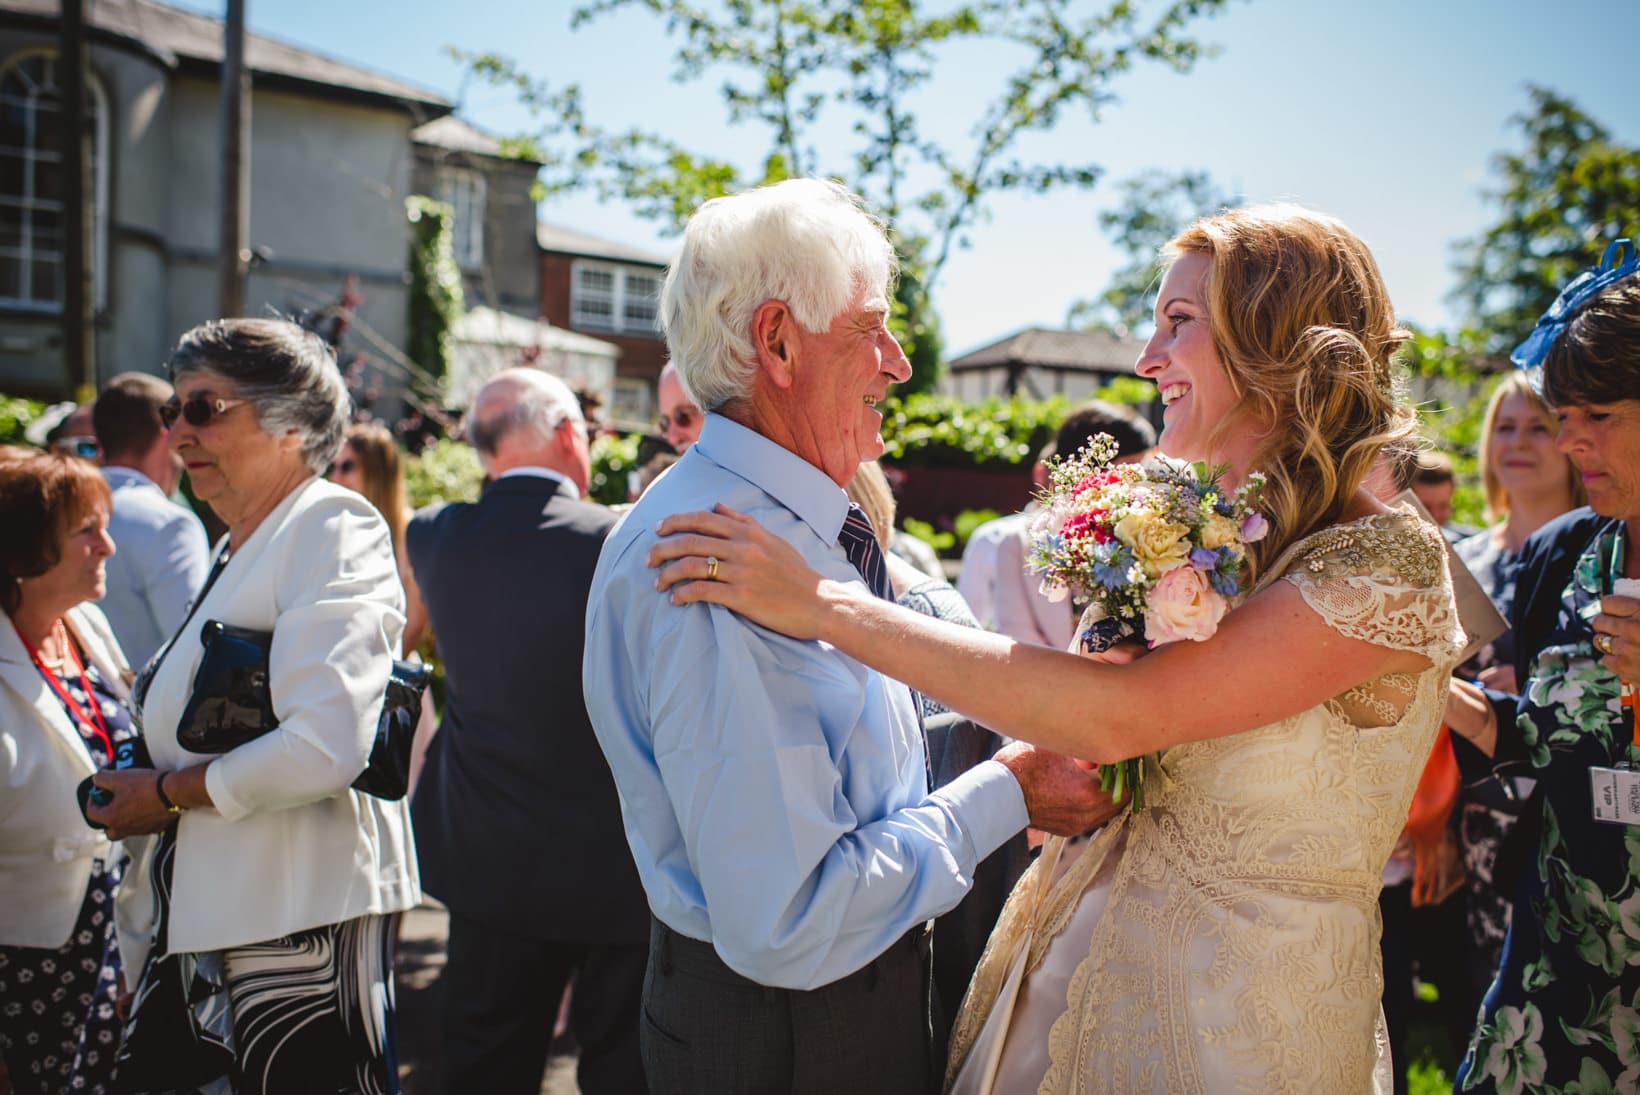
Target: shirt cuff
{"points": [[990, 804]]}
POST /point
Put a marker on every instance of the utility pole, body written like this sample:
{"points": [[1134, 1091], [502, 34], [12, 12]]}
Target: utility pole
{"points": [[236, 124], [77, 197]]}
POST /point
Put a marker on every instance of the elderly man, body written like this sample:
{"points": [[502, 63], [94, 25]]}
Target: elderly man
{"points": [[774, 791], [680, 420], [516, 816], [162, 556]]}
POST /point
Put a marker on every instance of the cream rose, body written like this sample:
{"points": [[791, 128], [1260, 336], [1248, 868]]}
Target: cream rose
{"points": [[1220, 531], [1182, 606], [1158, 544]]}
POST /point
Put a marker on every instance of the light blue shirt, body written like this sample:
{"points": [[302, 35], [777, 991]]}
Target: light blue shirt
{"points": [[160, 560], [772, 789]]}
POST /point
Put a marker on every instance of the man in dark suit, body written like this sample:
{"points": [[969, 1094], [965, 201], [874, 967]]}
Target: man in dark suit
{"points": [[517, 821]]}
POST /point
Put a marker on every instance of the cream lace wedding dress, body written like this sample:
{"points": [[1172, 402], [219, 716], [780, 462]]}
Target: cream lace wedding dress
{"points": [[1225, 938]]}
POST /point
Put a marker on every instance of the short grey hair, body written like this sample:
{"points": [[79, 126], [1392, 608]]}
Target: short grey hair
{"points": [[807, 242], [536, 401], [287, 373]]}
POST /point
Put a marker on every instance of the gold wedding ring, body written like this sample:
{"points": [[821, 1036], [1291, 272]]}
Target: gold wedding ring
{"points": [[1603, 643], [712, 565]]}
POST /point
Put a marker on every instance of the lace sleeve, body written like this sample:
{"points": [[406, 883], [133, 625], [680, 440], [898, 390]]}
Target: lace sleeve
{"points": [[1383, 580]]}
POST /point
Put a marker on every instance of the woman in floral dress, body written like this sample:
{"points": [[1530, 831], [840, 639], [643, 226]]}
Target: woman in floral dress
{"points": [[1528, 483], [1563, 1014]]}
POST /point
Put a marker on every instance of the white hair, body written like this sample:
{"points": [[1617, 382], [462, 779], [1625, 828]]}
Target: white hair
{"points": [[806, 242], [519, 399]]}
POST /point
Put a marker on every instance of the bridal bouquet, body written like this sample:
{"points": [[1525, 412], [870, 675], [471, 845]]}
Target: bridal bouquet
{"points": [[1153, 550]]}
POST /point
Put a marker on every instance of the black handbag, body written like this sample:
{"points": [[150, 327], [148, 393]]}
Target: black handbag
{"points": [[231, 705]]}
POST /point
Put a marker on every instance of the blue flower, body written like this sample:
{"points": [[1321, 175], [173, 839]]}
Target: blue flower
{"points": [[1204, 558], [1111, 563]]}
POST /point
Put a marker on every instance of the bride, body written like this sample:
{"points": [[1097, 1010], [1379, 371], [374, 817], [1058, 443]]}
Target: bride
{"points": [[1225, 936]]}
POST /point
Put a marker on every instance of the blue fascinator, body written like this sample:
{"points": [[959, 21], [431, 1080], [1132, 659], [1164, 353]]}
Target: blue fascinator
{"points": [[1621, 259]]}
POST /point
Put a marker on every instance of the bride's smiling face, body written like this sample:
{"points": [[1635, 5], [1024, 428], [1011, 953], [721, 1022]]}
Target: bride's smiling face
{"points": [[1183, 361]]}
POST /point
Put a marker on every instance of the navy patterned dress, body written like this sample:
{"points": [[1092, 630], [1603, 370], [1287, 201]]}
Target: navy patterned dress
{"points": [[58, 1028]]}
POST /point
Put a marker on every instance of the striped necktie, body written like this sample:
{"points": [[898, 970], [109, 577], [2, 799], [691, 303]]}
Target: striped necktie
{"points": [[859, 543]]}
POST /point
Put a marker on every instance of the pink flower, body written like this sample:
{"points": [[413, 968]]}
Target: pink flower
{"points": [[1253, 528], [1182, 606], [1095, 481], [1089, 523]]}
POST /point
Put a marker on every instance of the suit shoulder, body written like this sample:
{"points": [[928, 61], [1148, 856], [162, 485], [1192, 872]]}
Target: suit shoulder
{"points": [[431, 518], [592, 517]]}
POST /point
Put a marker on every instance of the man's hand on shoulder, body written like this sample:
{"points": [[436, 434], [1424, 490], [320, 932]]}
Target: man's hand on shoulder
{"points": [[1062, 797]]}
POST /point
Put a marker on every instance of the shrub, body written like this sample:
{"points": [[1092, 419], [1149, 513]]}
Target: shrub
{"points": [[613, 458], [444, 471]]}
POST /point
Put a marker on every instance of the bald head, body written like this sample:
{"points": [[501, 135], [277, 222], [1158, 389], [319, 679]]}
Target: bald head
{"points": [[529, 418]]}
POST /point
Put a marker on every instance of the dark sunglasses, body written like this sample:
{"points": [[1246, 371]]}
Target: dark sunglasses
{"points": [[197, 411], [684, 418]]}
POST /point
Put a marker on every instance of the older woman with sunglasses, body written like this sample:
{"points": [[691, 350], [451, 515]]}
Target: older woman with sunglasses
{"points": [[63, 687], [263, 901], [1563, 1013]]}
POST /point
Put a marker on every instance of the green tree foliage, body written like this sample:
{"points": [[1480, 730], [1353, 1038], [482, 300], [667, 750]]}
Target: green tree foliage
{"points": [[15, 416], [435, 283], [1150, 210], [797, 68], [917, 327], [1560, 198]]}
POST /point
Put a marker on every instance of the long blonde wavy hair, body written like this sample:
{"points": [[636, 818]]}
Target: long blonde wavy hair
{"points": [[1304, 327]]}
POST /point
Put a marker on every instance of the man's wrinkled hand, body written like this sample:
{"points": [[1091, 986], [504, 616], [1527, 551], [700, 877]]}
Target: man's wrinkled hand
{"points": [[1061, 797]]}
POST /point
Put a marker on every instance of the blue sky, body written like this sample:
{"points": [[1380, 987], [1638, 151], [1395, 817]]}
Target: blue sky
{"points": [[1385, 114]]}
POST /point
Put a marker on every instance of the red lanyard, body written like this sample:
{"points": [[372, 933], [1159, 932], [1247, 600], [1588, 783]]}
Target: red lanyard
{"points": [[95, 722]]}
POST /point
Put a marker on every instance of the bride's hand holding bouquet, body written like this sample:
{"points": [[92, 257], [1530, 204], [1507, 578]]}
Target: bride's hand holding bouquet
{"points": [[1155, 550]]}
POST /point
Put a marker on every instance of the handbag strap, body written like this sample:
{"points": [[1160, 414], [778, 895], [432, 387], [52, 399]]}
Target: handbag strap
{"points": [[139, 688]]}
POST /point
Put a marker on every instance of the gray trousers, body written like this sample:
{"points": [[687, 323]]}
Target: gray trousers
{"points": [[705, 1028]]}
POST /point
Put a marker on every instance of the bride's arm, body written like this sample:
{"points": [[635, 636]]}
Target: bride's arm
{"points": [[1271, 658]]}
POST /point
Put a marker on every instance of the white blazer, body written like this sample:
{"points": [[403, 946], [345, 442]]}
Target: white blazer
{"points": [[46, 848], [288, 845]]}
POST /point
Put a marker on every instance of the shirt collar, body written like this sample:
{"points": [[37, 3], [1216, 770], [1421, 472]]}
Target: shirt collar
{"points": [[118, 475], [780, 473], [537, 472]]}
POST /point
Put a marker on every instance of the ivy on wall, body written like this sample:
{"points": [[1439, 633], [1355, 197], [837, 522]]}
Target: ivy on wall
{"points": [[435, 283]]}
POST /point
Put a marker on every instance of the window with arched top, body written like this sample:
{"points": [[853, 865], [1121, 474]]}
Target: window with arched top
{"points": [[32, 226]]}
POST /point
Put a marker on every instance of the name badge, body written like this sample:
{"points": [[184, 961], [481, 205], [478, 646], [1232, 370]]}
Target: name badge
{"points": [[1616, 794]]}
